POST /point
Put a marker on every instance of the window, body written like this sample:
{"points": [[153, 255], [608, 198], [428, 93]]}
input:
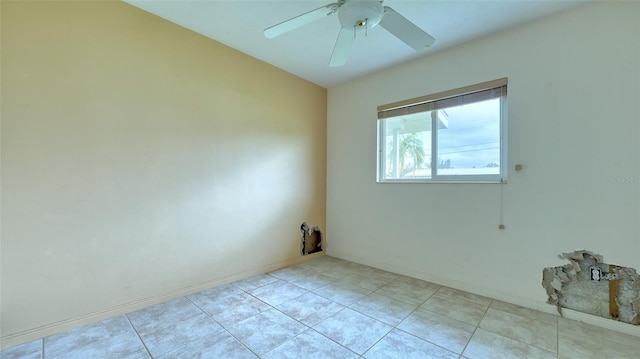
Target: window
{"points": [[451, 136]]}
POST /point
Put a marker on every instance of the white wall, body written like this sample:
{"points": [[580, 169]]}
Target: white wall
{"points": [[573, 125], [141, 161]]}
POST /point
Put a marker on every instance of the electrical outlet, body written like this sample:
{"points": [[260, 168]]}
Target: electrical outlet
{"points": [[595, 273]]}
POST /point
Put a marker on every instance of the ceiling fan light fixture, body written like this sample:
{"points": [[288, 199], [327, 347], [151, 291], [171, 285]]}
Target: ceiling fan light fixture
{"points": [[356, 16], [361, 13]]}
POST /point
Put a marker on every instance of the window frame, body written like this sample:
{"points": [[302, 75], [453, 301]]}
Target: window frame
{"points": [[432, 103]]}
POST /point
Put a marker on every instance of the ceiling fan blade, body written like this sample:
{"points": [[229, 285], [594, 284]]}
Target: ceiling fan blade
{"points": [[342, 48], [300, 20], [405, 30]]}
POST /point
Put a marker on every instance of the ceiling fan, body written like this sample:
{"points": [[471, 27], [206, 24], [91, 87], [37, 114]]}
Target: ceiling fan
{"points": [[355, 15]]}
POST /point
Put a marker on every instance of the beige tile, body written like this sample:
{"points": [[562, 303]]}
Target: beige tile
{"points": [[290, 273], [388, 310], [278, 292], [333, 267], [230, 310], [342, 293], [222, 345], [310, 308], [311, 281], [455, 307], [181, 308], [365, 280], [164, 336], [398, 344], [338, 272], [487, 345], [524, 312], [380, 273], [111, 338], [465, 295], [353, 266], [418, 283], [448, 333], [321, 262], [30, 350], [266, 331], [310, 344], [315, 262], [583, 341], [532, 332], [218, 292], [353, 330], [409, 291], [254, 282]]}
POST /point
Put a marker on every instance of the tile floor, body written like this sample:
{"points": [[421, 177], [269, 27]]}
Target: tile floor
{"points": [[331, 308]]}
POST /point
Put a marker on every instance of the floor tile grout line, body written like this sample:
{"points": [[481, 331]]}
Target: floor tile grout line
{"points": [[144, 345], [377, 341], [227, 330], [260, 286], [474, 331], [308, 327], [197, 306], [335, 342], [514, 339], [522, 316], [413, 335], [437, 345], [345, 306], [464, 298], [238, 339], [276, 309], [476, 328], [382, 321], [203, 312], [397, 328]]}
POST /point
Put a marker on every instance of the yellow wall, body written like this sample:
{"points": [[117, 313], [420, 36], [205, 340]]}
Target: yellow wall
{"points": [[141, 161]]}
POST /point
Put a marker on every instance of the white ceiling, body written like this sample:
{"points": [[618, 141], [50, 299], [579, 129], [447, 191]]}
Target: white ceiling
{"points": [[306, 51]]}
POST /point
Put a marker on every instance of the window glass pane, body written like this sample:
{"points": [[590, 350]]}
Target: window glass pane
{"points": [[470, 143], [407, 153]]}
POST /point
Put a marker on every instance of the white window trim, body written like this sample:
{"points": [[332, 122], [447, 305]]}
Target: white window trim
{"points": [[420, 104]]}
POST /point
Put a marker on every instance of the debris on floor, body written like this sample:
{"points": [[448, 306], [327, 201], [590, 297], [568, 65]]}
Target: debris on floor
{"points": [[590, 286], [311, 239]]}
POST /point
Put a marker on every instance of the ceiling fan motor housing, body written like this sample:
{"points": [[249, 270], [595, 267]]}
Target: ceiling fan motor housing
{"points": [[360, 13]]}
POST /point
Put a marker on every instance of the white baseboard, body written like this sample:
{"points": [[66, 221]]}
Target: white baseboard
{"points": [[14, 339], [541, 305]]}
